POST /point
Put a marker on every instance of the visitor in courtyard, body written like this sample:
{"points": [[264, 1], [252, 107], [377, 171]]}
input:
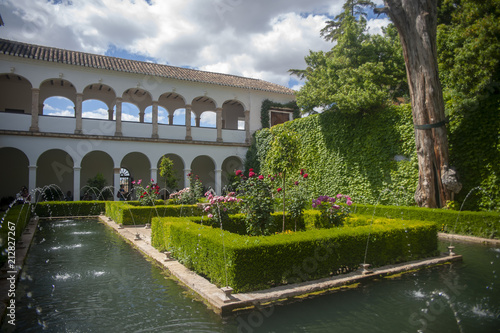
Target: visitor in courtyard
{"points": [[69, 196], [23, 196], [121, 193]]}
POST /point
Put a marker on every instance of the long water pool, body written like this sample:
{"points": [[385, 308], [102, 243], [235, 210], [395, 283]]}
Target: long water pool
{"points": [[80, 276]]}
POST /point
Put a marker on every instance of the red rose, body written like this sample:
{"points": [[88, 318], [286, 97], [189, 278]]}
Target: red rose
{"points": [[305, 175], [279, 189]]}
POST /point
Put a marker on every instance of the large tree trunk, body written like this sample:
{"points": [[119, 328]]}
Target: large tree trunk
{"points": [[416, 24]]}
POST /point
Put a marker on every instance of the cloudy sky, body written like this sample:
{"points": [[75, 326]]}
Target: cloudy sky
{"points": [[256, 38]]}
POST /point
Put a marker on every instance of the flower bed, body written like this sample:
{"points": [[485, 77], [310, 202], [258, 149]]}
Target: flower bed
{"points": [[260, 262]]}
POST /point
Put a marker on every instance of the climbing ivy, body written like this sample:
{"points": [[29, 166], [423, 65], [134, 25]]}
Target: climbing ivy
{"points": [[372, 157], [355, 154]]}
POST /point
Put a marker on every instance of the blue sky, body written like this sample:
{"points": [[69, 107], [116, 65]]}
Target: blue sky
{"points": [[260, 39]]}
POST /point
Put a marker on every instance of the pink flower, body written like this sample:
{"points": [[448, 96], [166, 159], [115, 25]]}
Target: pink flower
{"points": [[238, 173], [152, 180], [251, 173], [306, 175], [297, 182], [207, 208], [210, 216], [349, 202], [339, 196], [251, 170], [279, 189], [301, 172], [139, 182], [261, 177], [133, 182]]}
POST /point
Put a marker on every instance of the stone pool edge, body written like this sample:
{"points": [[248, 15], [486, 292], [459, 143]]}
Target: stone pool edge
{"points": [[216, 298]]}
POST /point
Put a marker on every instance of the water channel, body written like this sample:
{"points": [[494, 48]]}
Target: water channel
{"points": [[80, 276]]}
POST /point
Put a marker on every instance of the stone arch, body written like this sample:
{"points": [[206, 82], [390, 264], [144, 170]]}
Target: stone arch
{"points": [[233, 115], [179, 167], [99, 92], [202, 104], [54, 170], [229, 166], [57, 87], [138, 97], [15, 93], [15, 173], [95, 162], [171, 101], [58, 106], [139, 166], [203, 166]]}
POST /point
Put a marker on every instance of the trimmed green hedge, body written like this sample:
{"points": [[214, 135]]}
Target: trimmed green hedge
{"points": [[479, 224], [255, 263], [124, 213], [69, 208], [20, 216]]}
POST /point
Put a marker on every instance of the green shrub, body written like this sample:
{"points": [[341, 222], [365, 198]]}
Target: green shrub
{"points": [[19, 216], [69, 208], [128, 214], [261, 262], [479, 224]]}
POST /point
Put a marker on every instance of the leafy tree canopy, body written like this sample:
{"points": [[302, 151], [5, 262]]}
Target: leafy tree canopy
{"points": [[360, 73]]}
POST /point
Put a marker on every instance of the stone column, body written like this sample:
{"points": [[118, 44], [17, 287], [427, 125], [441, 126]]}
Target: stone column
{"points": [[154, 174], [186, 177], [170, 118], [110, 114], [247, 126], [35, 96], [76, 183], [218, 112], [218, 181], [188, 123], [116, 182], [141, 116], [154, 120], [197, 121], [118, 131], [32, 181], [78, 113]]}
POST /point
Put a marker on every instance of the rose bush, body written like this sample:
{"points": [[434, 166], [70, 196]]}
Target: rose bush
{"points": [[332, 212]]}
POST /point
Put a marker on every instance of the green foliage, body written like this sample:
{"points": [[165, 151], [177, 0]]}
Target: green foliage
{"points": [[69, 208], [127, 214], [351, 153], [15, 220], [257, 204], [335, 28], [189, 195], [469, 68], [252, 263], [359, 75], [96, 185], [479, 224], [168, 173]]}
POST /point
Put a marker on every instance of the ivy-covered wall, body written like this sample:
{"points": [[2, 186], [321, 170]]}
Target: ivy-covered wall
{"points": [[372, 157], [355, 154]]}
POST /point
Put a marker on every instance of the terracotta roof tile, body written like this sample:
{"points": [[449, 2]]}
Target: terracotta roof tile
{"points": [[46, 53]]}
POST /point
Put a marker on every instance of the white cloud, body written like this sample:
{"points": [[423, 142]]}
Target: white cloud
{"points": [[375, 25], [208, 119], [96, 114]]}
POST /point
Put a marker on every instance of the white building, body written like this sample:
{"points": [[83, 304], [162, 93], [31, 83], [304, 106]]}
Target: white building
{"points": [[37, 149]]}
